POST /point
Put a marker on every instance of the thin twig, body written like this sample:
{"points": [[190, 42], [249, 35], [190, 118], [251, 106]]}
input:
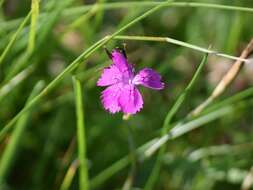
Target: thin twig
{"points": [[226, 80]]}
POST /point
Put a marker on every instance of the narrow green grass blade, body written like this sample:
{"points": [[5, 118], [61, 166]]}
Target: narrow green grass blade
{"points": [[74, 65], [81, 136], [224, 149], [16, 80], [48, 23], [183, 96], [110, 171], [100, 14], [167, 124], [13, 38], [12, 147], [180, 43], [33, 26], [235, 33], [69, 176]]}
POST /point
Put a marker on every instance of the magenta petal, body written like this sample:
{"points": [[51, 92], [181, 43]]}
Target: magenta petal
{"points": [[110, 98], [130, 99], [122, 93], [121, 62], [111, 75], [149, 78]]}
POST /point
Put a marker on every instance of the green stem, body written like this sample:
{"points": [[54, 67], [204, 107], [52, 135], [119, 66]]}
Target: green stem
{"points": [[14, 37], [180, 43], [167, 125], [81, 136], [68, 178], [14, 82], [130, 179], [35, 15]]}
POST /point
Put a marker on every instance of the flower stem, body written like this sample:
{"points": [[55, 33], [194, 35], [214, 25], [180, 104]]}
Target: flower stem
{"points": [[180, 43], [133, 159]]}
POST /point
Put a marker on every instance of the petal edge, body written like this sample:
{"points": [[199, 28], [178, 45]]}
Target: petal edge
{"points": [[149, 78]]}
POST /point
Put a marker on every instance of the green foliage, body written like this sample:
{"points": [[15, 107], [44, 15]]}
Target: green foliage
{"points": [[45, 140]]}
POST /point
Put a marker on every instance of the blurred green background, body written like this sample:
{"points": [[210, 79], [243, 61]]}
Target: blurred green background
{"points": [[64, 29]]}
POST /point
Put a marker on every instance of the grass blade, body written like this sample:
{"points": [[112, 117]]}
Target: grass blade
{"points": [[69, 175], [167, 124], [14, 37], [44, 31], [110, 171], [180, 43], [16, 80], [83, 169], [35, 14]]}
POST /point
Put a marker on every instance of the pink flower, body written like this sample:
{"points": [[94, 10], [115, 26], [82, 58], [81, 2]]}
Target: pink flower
{"points": [[122, 93]]}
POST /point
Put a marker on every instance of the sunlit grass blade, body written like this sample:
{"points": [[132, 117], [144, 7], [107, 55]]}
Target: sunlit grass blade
{"points": [[14, 37], [74, 65], [33, 26], [167, 123], [183, 128], [31, 55], [81, 136], [219, 150], [11, 149], [66, 183], [16, 80]]}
